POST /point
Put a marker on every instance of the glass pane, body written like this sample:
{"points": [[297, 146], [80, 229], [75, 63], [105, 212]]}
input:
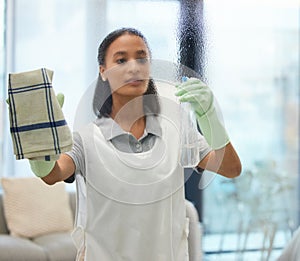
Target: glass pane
{"points": [[162, 14], [53, 38], [253, 68], [64, 37], [49, 34], [2, 81]]}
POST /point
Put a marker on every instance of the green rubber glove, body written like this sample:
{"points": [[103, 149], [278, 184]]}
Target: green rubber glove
{"points": [[41, 168], [201, 99]]}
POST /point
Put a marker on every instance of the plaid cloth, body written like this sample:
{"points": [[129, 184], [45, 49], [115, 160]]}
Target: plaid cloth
{"points": [[37, 125]]}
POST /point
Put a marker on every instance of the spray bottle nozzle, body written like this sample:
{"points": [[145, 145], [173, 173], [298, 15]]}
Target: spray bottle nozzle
{"points": [[184, 78]]}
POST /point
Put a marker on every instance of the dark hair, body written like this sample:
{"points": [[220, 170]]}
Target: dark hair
{"points": [[102, 101]]}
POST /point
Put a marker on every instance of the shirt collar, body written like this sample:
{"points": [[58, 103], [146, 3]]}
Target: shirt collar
{"points": [[110, 129]]}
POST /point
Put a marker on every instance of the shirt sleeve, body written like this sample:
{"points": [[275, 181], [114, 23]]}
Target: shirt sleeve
{"points": [[204, 147], [77, 155], [204, 150]]}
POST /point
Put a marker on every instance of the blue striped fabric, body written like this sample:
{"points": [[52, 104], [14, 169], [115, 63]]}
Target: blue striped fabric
{"points": [[37, 125]]}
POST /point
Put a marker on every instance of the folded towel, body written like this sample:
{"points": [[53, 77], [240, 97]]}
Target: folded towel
{"points": [[37, 124]]}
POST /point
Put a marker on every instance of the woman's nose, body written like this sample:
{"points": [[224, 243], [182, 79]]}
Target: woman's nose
{"points": [[133, 66]]}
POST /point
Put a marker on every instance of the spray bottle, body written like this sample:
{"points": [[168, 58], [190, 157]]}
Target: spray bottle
{"points": [[189, 156]]}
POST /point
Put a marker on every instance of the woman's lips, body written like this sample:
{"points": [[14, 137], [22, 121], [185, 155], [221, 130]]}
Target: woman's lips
{"points": [[134, 82]]}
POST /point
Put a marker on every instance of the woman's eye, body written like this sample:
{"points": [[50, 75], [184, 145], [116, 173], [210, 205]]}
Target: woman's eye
{"points": [[142, 60], [121, 61]]}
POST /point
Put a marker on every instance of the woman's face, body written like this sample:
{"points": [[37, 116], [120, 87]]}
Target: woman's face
{"points": [[127, 66]]}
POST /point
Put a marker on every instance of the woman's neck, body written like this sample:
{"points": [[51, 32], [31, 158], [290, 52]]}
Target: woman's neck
{"points": [[129, 114]]}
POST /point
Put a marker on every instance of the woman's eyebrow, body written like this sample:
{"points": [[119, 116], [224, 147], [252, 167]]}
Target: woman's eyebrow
{"points": [[119, 53], [122, 53], [141, 52]]}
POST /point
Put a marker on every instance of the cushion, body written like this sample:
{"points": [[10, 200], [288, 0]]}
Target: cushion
{"points": [[58, 246], [33, 208], [14, 248]]}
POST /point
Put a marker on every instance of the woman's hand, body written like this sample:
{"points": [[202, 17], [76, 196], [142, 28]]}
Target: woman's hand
{"points": [[201, 99]]}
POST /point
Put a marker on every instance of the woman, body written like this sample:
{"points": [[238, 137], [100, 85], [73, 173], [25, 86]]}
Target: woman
{"points": [[129, 159]]}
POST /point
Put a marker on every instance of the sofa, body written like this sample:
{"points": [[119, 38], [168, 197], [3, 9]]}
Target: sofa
{"points": [[51, 247], [60, 247]]}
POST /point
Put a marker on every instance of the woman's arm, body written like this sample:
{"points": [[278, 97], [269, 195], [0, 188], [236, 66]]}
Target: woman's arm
{"points": [[224, 161], [64, 167]]}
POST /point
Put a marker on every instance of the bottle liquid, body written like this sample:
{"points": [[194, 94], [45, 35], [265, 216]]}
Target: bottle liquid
{"points": [[189, 155]]}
